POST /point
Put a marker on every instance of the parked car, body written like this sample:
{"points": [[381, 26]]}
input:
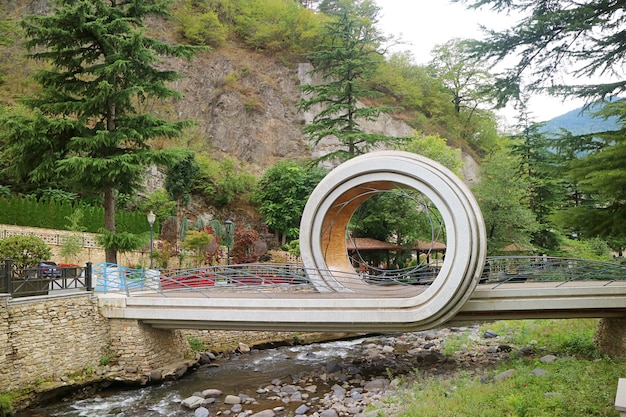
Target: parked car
{"points": [[49, 269]]}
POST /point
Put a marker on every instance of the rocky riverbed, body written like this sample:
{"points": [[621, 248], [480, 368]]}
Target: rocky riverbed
{"points": [[352, 378], [361, 384]]}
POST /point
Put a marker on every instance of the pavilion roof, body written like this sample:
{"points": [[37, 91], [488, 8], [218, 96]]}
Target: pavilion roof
{"points": [[368, 244]]}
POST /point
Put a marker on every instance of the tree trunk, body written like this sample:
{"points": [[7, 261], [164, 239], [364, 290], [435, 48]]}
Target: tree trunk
{"points": [[109, 221]]}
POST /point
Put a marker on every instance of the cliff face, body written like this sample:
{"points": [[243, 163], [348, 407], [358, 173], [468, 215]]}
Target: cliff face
{"points": [[244, 101], [245, 106]]}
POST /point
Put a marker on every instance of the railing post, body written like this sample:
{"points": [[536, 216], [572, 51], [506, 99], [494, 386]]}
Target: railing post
{"points": [[8, 269], [88, 277], [5, 277]]}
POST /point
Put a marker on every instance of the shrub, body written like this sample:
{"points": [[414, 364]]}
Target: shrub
{"points": [[25, 251], [6, 406]]}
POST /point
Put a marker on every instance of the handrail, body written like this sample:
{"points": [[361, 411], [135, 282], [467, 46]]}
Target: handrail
{"points": [[25, 282], [267, 278]]}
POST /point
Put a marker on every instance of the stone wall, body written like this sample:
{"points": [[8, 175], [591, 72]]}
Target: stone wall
{"points": [[610, 337], [91, 251], [50, 337], [140, 348]]}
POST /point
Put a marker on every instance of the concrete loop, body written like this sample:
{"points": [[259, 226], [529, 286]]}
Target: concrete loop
{"points": [[334, 201]]}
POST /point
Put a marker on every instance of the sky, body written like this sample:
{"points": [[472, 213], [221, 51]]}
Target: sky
{"points": [[423, 24]]}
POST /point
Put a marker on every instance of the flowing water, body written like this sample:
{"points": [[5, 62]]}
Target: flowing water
{"points": [[242, 374]]}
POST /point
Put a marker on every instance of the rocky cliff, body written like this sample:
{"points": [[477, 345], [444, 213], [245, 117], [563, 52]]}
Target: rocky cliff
{"points": [[245, 105]]}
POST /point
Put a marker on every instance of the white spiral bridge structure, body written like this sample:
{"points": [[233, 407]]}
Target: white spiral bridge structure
{"points": [[333, 203], [328, 293]]}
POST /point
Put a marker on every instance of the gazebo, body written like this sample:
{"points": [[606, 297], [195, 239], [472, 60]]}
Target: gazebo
{"points": [[428, 247], [366, 244]]}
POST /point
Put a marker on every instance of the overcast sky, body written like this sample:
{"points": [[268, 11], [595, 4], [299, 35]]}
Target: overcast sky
{"points": [[424, 24]]}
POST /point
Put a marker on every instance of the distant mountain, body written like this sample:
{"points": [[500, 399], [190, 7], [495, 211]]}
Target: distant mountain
{"points": [[581, 122]]}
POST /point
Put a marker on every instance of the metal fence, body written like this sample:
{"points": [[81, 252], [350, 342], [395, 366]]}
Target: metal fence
{"points": [[26, 282]]}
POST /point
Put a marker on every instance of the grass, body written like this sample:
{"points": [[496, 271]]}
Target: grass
{"points": [[581, 382]]}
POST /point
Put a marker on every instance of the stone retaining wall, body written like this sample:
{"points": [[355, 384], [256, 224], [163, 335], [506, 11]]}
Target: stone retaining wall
{"points": [[91, 251], [50, 337], [47, 340]]}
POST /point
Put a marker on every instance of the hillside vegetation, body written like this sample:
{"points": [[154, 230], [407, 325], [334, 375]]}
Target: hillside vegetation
{"points": [[243, 92]]}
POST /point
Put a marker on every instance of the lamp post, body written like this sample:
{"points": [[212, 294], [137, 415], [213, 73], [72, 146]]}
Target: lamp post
{"points": [[151, 219], [228, 225]]}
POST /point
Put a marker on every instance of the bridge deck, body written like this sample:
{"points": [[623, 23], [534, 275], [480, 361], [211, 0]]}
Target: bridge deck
{"points": [[305, 309]]}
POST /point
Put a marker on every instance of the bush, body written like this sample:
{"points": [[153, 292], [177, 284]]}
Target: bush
{"points": [[25, 251], [6, 406]]}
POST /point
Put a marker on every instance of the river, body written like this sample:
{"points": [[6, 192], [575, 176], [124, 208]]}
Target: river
{"points": [[237, 374]]}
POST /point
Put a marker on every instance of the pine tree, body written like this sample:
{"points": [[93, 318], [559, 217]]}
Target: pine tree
{"points": [[86, 125], [579, 38], [345, 61]]}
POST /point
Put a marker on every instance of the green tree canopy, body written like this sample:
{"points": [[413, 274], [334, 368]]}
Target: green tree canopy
{"points": [[350, 55], [502, 195], [282, 194], [584, 39], [85, 124]]}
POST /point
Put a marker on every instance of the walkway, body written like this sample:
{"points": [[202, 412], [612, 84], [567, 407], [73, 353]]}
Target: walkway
{"points": [[266, 297]]}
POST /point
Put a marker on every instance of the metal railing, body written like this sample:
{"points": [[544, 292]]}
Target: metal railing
{"points": [[257, 277], [265, 278], [26, 282], [518, 269]]}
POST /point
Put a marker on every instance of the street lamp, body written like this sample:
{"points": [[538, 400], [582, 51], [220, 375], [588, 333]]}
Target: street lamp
{"points": [[151, 219], [228, 225]]}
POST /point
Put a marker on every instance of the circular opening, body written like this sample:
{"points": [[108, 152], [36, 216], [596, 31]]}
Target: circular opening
{"points": [[396, 237]]}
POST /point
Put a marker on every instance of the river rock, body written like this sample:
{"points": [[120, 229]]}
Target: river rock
{"points": [[376, 385], [328, 413], [243, 348], [232, 399], [539, 372], [490, 334], [201, 412], [505, 375], [192, 402], [212, 393], [264, 413], [548, 359]]}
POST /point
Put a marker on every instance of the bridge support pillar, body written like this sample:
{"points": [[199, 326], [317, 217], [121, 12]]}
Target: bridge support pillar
{"points": [[610, 337], [145, 350]]}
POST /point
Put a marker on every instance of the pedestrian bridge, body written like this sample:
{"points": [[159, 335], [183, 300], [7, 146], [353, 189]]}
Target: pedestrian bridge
{"points": [[327, 293], [284, 297]]}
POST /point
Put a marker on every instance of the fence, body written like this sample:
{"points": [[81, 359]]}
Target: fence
{"points": [[25, 282]]}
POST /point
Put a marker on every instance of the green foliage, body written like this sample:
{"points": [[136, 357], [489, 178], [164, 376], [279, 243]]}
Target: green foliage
{"points": [[594, 168], [581, 38], [502, 195], [100, 64], [278, 25], [569, 387], [195, 344], [6, 405], [25, 251], [160, 204], [72, 244], [28, 211], [282, 193], [221, 182], [197, 242], [293, 247], [200, 27], [121, 241], [345, 62], [464, 77], [571, 336], [435, 148]]}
